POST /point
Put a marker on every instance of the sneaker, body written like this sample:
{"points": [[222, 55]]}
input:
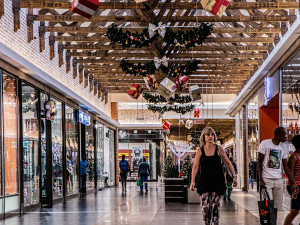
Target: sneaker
{"points": [[146, 190], [229, 199], [224, 198]]}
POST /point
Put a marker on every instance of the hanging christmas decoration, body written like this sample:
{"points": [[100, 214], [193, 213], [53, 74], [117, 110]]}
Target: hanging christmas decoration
{"points": [[181, 38], [128, 39], [176, 108], [166, 88], [50, 110], [181, 82], [135, 91], [149, 68], [296, 127], [160, 29], [189, 138], [157, 99], [195, 92], [158, 62], [189, 124], [175, 70], [166, 125], [179, 149], [85, 8], [190, 38], [291, 127], [196, 113], [151, 82], [140, 69], [216, 7], [181, 120]]}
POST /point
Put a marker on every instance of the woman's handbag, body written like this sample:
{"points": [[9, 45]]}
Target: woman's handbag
{"points": [[266, 208], [139, 182]]}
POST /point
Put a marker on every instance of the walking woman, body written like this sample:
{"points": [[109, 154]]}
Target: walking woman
{"points": [[294, 164], [211, 185]]}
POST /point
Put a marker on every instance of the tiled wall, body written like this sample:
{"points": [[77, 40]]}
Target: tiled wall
{"points": [[17, 41]]}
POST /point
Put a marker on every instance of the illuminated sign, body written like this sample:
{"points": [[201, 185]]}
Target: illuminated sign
{"points": [[84, 118]]}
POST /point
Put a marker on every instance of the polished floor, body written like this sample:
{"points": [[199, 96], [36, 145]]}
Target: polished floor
{"points": [[111, 206]]}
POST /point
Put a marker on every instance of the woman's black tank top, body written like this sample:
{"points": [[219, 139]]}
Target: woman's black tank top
{"points": [[211, 174]]}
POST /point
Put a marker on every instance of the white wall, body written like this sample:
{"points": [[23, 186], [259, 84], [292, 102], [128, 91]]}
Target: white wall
{"points": [[17, 42]]}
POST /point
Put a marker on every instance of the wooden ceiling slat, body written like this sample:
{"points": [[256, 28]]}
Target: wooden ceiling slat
{"points": [[123, 19], [197, 48], [59, 4], [179, 55], [206, 68], [102, 30], [195, 74], [209, 39]]}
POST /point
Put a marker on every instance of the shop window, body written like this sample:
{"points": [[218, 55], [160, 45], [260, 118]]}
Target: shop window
{"points": [[10, 115], [57, 154], [72, 165], [43, 100], [90, 156], [253, 133], [100, 155], [291, 99], [31, 178]]}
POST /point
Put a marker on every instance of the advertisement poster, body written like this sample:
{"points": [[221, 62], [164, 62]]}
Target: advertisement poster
{"points": [[137, 158]]}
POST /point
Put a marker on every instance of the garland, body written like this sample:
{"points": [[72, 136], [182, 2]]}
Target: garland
{"points": [[148, 68], [160, 99], [129, 39], [138, 40], [190, 38], [177, 109]]}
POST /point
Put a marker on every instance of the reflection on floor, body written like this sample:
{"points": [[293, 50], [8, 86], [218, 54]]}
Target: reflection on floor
{"points": [[110, 206]]}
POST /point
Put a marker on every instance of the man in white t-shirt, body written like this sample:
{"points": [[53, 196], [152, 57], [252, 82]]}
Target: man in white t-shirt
{"points": [[272, 157]]}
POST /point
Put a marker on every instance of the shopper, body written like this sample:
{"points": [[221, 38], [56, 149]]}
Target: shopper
{"points": [[229, 180], [124, 168], [211, 184], [294, 165], [83, 165], [144, 172], [272, 157]]}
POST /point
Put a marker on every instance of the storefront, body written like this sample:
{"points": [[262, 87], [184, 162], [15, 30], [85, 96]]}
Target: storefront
{"points": [[43, 139], [139, 144]]}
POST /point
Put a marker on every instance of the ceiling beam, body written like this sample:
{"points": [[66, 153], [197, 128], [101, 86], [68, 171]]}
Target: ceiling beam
{"points": [[55, 4], [102, 30], [151, 55], [119, 19], [197, 48]]}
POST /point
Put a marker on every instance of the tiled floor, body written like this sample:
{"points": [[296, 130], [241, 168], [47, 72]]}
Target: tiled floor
{"points": [[110, 206]]}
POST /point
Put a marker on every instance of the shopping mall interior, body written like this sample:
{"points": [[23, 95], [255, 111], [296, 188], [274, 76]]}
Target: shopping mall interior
{"points": [[96, 81]]}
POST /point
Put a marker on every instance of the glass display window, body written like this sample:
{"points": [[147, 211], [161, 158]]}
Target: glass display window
{"points": [[90, 156], [57, 150], [10, 134], [290, 105], [43, 100], [253, 132], [72, 163], [30, 125], [100, 155]]}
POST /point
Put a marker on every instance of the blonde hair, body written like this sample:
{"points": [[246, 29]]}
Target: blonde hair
{"points": [[207, 130]]}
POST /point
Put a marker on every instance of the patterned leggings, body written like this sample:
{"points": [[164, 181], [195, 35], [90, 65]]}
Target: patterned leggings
{"points": [[211, 207]]}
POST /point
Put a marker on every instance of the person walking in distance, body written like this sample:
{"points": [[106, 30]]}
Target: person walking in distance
{"points": [[124, 168], [211, 185], [294, 165], [229, 180], [144, 172], [83, 165], [272, 157]]}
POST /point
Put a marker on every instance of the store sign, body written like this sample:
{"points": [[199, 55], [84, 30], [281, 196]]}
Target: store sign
{"points": [[268, 90], [198, 121], [137, 158], [84, 118]]}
